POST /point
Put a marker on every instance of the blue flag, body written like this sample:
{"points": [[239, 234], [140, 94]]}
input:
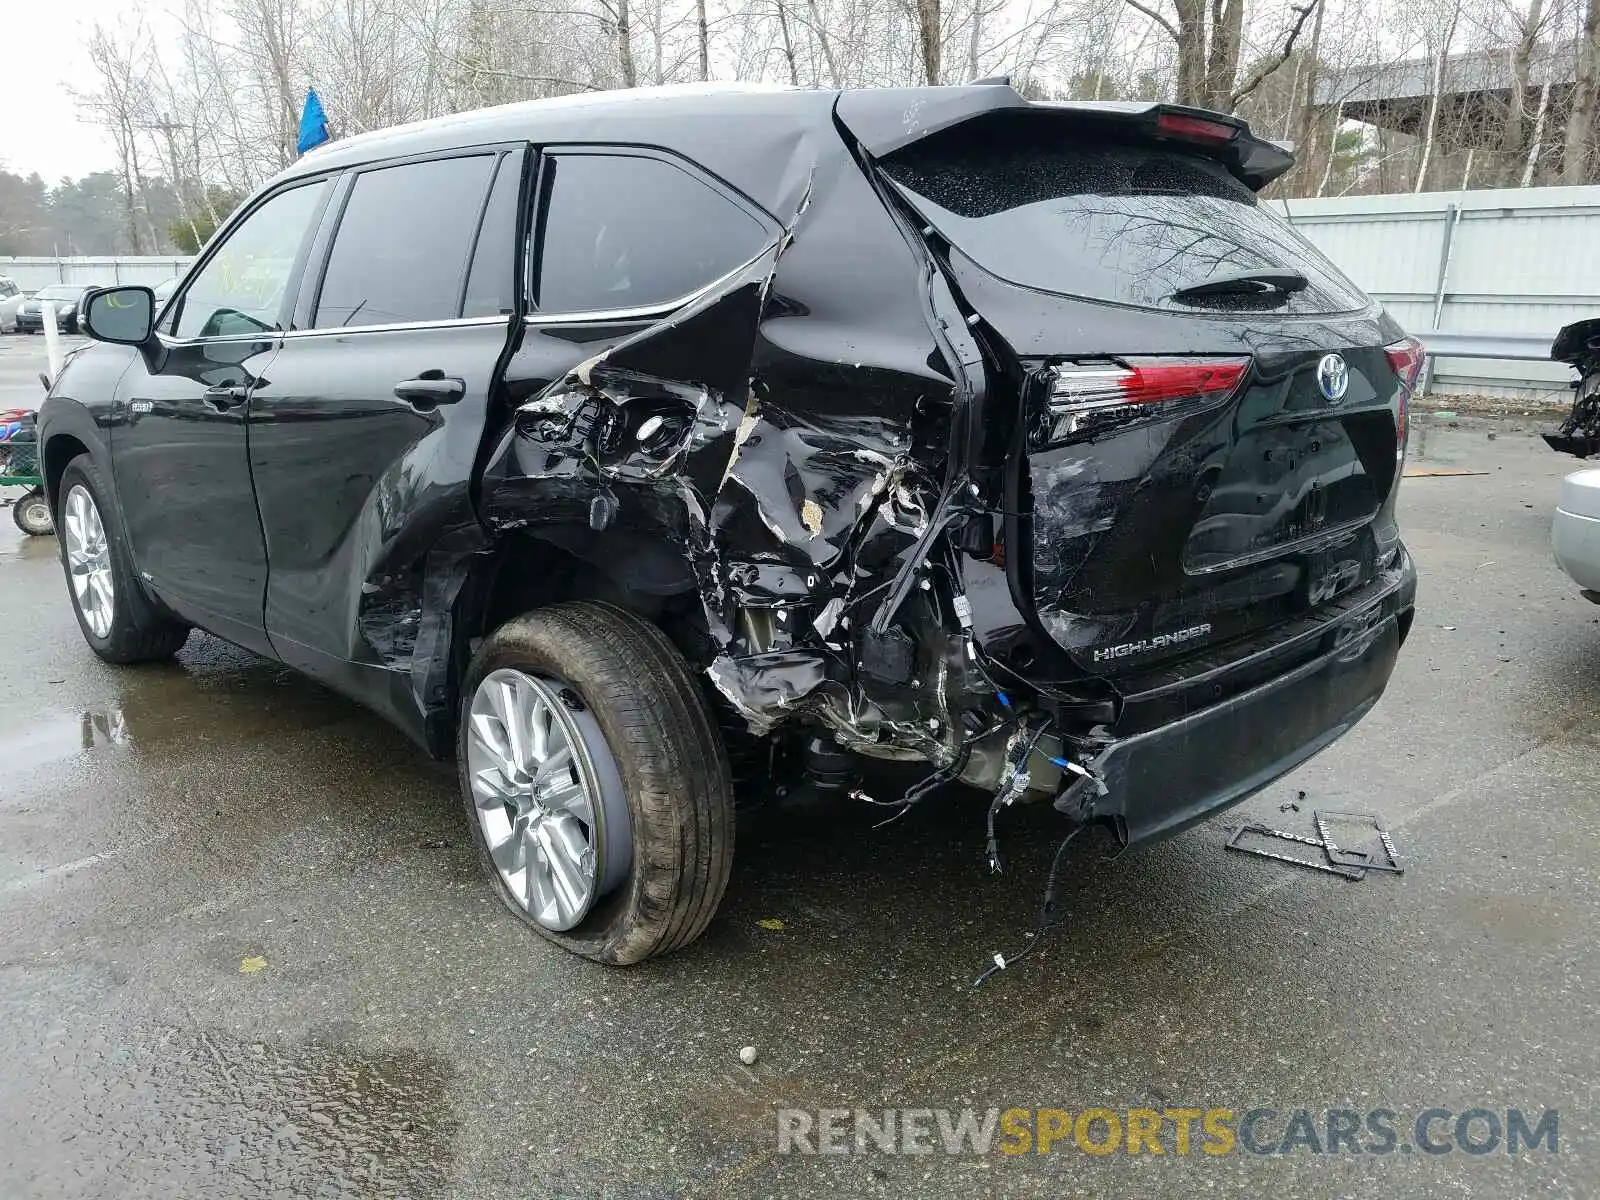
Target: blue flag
{"points": [[313, 123]]}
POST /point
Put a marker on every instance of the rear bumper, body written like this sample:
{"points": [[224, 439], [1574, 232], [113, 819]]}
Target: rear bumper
{"points": [[1165, 778], [1576, 541]]}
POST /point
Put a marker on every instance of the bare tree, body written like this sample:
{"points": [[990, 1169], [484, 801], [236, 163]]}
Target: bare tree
{"points": [[1585, 100], [118, 102], [1436, 93], [929, 36], [1208, 41]]}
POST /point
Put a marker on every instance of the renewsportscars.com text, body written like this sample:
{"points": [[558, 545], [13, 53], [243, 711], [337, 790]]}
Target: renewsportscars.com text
{"points": [[1178, 1132]]}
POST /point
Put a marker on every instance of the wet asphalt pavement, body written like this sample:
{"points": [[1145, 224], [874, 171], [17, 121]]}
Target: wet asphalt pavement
{"points": [[245, 950]]}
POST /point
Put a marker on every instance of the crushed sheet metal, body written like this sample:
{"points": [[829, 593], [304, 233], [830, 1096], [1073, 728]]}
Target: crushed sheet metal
{"points": [[789, 522]]}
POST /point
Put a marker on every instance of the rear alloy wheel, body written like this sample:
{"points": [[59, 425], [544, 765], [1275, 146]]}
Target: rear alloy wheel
{"points": [[596, 782], [118, 620], [32, 514], [547, 796]]}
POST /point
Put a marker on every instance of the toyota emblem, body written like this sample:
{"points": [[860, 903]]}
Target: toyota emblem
{"points": [[1333, 377]]}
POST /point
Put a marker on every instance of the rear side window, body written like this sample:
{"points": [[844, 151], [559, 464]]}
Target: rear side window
{"points": [[625, 231], [400, 253], [1108, 220]]}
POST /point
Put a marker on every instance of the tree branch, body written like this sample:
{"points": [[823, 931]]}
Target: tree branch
{"points": [[1266, 69], [551, 79], [1172, 30]]}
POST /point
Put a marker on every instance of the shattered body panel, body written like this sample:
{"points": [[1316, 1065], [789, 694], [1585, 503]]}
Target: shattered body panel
{"points": [[1578, 345], [783, 432]]}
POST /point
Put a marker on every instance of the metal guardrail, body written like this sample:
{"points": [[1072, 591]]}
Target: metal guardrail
{"points": [[1526, 347]]}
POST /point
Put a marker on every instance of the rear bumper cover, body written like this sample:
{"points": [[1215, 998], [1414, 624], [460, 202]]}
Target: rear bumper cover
{"points": [[1161, 780], [1576, 541]]}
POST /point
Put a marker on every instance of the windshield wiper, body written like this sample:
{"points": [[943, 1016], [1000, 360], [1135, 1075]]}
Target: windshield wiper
{"points": [[1245, 283]]}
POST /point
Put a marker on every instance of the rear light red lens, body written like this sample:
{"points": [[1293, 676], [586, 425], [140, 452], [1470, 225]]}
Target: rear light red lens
{"points": [[1088, 398], [1150, 384], [1195, 129], [1405, 358]]}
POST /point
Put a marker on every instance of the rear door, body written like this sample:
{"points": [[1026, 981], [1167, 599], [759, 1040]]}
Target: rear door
{"points": [[364, 434], [646, 260], [178, 448]]}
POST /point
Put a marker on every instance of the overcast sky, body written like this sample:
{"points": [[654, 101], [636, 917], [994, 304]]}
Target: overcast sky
{"points": [[41, 52]]}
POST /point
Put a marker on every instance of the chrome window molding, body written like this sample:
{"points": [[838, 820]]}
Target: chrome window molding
{"points": [[274, 334], [642, 312]]}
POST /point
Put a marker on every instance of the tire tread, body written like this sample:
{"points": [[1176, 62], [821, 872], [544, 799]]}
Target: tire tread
{"points": [[674, 767]]}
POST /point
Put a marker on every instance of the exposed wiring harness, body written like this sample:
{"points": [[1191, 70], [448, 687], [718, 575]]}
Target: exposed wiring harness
{"points": [[1049, 918]]}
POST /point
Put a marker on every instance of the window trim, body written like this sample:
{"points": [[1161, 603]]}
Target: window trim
{"points": [[317, 269], [603, 316], [536, 233], [477, 236], [173, 308]]}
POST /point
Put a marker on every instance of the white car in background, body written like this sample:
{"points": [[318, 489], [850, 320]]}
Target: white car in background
{"points": [[163, 291], [11, 299], [1575, 533]]}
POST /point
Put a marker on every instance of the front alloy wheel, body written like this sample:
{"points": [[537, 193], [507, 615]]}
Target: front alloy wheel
{"points": [[547, 796], [119, 621], [89, 561]]}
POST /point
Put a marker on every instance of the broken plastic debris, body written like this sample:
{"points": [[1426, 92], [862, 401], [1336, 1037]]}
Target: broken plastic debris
{"points": [[772, 923], [251, 964]]}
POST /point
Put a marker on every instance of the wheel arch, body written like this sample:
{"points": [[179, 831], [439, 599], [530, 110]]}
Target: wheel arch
{"points": [[523, 570]]}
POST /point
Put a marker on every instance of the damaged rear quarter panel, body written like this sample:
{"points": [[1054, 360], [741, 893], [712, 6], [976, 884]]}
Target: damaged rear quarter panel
{"points": [[784, 434]]}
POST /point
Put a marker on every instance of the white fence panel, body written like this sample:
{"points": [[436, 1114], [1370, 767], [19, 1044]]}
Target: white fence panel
{"points": [[32, 274], [1493, 261]]}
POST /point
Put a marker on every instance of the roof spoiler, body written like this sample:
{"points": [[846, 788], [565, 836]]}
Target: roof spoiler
{"points": [[885, 120]]}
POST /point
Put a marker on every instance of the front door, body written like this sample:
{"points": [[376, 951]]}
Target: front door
{"points": [[364, 433], [178, 449]]}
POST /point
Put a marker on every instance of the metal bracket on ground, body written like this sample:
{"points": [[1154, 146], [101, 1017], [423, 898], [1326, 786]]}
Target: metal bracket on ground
{"points": [[1336, 860]]}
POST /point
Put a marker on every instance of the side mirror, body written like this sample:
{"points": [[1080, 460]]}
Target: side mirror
{"points": [[124, 315]]}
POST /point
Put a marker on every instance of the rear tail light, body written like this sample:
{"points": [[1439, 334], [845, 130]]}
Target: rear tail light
{"points": [[1195, 129], [1091, 398], [1405, 358]]}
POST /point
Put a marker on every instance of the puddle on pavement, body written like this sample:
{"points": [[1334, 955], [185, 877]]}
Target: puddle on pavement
{"points": [[52, 736], [208, 1114]]}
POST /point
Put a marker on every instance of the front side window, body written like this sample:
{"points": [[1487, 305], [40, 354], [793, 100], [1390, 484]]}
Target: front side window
{"points": [[401, 250], [624, 231], [241, 288]]}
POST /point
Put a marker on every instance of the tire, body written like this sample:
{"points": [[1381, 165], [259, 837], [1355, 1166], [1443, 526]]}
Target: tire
{"points": [[674, 788], [32, 514], [137, 630]]}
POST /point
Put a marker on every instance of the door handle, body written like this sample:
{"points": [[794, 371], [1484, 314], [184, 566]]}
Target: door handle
{"points": [[224, 398], [430, 389]]}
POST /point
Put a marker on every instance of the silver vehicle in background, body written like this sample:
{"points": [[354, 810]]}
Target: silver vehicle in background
{"points": [[11, 299]]}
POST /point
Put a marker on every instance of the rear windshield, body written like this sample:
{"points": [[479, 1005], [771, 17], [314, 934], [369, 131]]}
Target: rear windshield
{"points": [[1109, 220], [58, 292]]}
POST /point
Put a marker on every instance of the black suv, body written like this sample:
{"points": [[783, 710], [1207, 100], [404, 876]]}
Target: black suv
{"points": [[623, 443]]}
